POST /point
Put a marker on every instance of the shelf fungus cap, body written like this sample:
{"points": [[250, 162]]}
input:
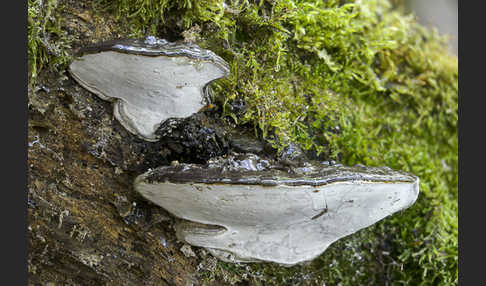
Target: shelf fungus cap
{"points": [[149, 80], [243, 208]]}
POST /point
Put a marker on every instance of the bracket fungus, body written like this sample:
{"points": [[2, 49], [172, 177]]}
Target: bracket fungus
{"points": [[244, 208], [149, 80], [239, 207]]}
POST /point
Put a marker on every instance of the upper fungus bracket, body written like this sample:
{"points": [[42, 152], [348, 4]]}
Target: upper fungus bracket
{"points": [[149, 80]]}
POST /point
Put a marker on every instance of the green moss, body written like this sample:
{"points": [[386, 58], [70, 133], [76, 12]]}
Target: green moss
{"points": [[47, 43], [391, 89], [354, 81], [147, 16]]}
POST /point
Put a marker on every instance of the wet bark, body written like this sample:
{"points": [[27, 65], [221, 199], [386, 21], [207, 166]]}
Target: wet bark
{"points": [[86, 224]]}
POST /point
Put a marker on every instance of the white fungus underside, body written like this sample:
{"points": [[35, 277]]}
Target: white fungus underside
{"points": [[275, 223], [146, 90]]}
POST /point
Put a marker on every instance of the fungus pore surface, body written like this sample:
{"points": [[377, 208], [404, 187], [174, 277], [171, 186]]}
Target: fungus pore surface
{"points": [[148, 80], [243, 208]]}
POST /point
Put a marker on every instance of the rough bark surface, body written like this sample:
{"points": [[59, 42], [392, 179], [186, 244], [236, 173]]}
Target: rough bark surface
{"points": [[87, 225]]}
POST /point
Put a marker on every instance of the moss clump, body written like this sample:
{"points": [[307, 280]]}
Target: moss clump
{"points": [[354, 81], [47, 43]]}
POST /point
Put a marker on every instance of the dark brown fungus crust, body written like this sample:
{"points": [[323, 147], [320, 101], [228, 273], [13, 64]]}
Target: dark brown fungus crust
{"points": [[250, 169]]}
